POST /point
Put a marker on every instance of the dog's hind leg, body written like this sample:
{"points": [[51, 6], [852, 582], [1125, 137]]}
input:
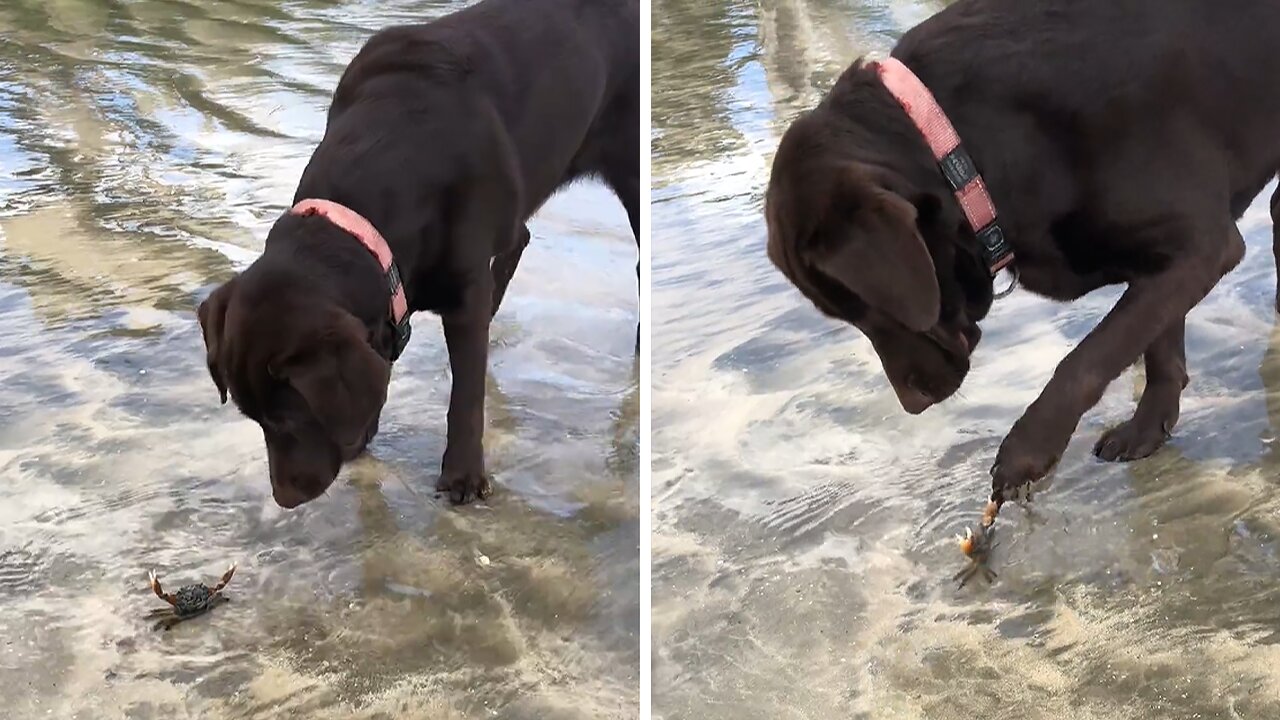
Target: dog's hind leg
{"points": [[623, 177], [627, 188], [504, 267], [1157, 413], [618, 162], [1275, 238]]}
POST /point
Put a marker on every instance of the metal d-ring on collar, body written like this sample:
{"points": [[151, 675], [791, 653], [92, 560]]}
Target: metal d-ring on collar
{"points": [[1013, 284]]}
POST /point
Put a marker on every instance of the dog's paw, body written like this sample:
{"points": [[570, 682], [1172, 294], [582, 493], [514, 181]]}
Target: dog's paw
{"points": [[1012, 476], [1131, 440], [464, 488]]}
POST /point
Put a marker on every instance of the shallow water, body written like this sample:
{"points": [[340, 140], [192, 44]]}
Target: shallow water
{"points": [[145, 148], [803, 523]]}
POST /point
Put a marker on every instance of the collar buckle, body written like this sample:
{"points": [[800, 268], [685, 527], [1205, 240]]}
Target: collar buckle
{"points": [[401, 329]]}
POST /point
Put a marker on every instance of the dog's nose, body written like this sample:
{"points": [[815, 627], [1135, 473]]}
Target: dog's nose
{"points": [[287, 496], [913, 399]]}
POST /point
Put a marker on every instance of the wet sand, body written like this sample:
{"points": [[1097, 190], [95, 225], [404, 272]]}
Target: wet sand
{"points": [[804, 523], [145, 148]]}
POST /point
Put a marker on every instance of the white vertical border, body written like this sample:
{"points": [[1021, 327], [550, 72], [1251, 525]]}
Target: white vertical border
{"points": [[646, 354]]}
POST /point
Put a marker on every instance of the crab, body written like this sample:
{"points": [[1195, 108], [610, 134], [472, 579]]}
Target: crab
{"points": [[977, 546], [190, 600]]}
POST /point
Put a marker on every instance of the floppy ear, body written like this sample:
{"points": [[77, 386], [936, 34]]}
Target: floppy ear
{"points": [[870, 244], [342, 378], [213, 315]]}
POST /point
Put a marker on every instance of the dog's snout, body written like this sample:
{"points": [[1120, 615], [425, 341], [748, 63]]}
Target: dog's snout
{"points": [[288, 496]]}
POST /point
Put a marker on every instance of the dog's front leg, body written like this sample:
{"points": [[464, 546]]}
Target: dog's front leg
{"points": [[1147, 310], [466, 334]]}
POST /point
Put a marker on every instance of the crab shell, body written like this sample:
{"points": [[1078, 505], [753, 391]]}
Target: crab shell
{"points": [[192, 599]]}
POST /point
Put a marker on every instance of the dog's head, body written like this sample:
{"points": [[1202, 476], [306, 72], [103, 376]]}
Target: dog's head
{"points": [[304, 370], [866, 250]]}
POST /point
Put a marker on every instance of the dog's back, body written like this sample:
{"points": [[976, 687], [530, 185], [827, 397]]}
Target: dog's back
{"points": [[556, 110], [1093, 66]]}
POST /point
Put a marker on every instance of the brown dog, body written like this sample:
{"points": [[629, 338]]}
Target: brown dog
{"points": [[1119, 140], [445, 138]]}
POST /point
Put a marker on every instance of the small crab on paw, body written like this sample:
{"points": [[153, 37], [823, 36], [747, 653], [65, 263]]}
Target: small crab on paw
{"points": [[977, 547], [190, 600]]}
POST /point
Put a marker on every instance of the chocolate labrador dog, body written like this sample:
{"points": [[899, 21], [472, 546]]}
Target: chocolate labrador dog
{"points": [[442, 140], [1080, 144]]}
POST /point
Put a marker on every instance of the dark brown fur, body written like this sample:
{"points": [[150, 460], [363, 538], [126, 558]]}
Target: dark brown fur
{"points": [[447, 136], [1120, 140]]}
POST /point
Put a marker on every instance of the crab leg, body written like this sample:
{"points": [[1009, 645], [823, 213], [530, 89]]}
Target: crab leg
{"points": [[226, 578], [160, 593]]}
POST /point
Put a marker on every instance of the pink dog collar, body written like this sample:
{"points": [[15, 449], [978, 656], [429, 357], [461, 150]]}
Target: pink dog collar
{"points": [[361, 229], [954, 161]]}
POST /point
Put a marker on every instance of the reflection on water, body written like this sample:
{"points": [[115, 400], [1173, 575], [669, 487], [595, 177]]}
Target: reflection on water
{"points": [[145, 148], [803, 523]]}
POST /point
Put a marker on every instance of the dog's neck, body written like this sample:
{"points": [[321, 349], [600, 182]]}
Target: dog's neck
{"points": [[383, 214], [884, 137], [326, 262], [341, 173], [954, 162], [348, 169]]}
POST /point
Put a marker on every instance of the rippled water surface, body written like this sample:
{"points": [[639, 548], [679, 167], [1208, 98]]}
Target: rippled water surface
{"points": [[803, 522], [145, 148]]}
